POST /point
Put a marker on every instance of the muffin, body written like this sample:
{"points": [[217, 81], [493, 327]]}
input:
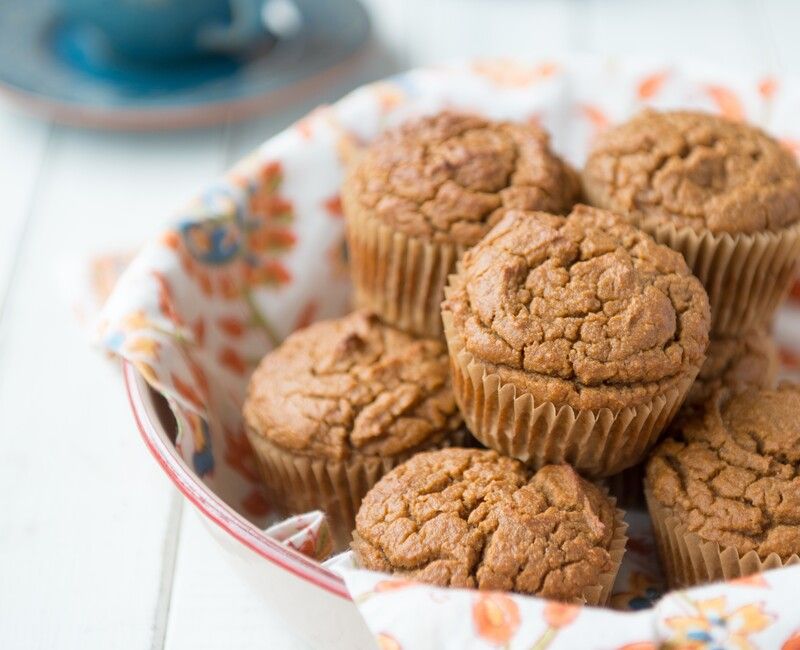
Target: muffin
{"points": [[749, 361], [473, 518], [340, 403], [423, 193], [722, 193], [734, 364], [573, 339], [725, 494]]}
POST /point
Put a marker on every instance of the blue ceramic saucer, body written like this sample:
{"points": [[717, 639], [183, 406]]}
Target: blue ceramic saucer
{"points": [[60, 69]]}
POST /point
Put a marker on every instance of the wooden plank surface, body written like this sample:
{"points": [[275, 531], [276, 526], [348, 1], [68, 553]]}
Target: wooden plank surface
{"points": [[85, 512], [211, 606], [24, 142], [717, 31], [96, 548]]}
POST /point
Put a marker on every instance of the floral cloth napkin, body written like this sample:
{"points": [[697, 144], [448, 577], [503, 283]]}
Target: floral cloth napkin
{"points": [[261, 253], [755, 612], [307, 533]]}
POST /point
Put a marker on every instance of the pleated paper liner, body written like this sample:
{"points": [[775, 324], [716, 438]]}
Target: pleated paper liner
{"points": [[689, 560], [599, 594], [298, 483], [596, 442], [399, 277], [745, 275]]}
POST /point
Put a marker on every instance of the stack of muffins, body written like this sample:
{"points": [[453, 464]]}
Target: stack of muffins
{"points": [[564, 338], [723, 489]]}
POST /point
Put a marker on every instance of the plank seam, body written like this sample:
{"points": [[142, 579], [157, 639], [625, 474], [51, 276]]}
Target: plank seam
{"points": [[169, 560], [25, 226]]}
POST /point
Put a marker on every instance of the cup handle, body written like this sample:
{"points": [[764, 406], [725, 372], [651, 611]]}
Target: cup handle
{"points": [[247, 25]]}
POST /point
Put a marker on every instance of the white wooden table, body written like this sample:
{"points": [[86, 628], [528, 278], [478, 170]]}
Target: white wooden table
{"points": [[97, 550]]}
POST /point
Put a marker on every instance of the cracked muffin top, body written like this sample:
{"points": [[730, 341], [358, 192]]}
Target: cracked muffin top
{"points": [[733, 474], [697, 170], [748, 361], [448, 177], [352, 386], [473, 518], [585, 309]]}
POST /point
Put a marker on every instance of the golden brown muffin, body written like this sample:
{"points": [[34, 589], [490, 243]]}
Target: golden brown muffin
{"points": [[584, 313], [736, 364], [424, 192], [697, 170], [726, 491], [341, 402], [724, 194], [473, 518]]}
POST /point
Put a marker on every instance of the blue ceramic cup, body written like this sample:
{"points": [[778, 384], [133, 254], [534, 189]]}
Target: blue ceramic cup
{"points": [[160, 31]]}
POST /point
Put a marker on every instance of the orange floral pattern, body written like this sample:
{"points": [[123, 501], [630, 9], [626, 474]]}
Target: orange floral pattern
{"points": [[641, 589], [307, 315], [753, 580], [495, 617], [241, 246], [767, 87], [333, 206], [508, 73], [726, 101], [792, 144], [651, 84], [713, 626], [388, 95], [387, 642], [391, 585], [596, 118], [559, 615], [792, 643], [307, 533]]}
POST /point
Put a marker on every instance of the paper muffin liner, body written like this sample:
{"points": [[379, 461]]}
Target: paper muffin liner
{"points": [[689, 560], [600, 593], [596, 442], [745, 275], [401, 278], [298, 483]]}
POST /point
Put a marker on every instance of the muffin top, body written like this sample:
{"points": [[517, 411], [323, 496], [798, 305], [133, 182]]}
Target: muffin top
{"points": [[732, 476], [696, 170], [473, 518], [352, 385], [748, 361], [585, 309], [447, 177]]}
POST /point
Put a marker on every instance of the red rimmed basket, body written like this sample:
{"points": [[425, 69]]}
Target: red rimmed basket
{"points": [[289, 582], [297, 173]]}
